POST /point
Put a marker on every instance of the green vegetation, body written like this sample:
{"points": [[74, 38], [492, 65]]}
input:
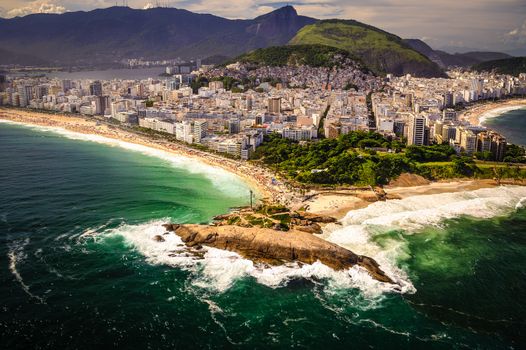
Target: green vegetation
{"points": [[515, 154], [383, 52], [358, 158], [512, 66], [321, 129], [334, 161], [298, 55], [197, 83], [228, 82], [434, 153]]}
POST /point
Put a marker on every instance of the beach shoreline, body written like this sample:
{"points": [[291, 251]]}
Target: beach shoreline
{"points": [[259, 179], [331, 202], [476, 114]]}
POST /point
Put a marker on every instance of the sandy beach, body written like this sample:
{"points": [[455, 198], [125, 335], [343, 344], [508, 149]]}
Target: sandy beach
{"points": [[477, 113], [331, 202], [258, 178], [339, 203]]}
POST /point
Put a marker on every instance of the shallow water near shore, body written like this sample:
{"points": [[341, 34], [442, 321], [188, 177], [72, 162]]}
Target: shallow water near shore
{"points": [[511, 124], [79, 269]]}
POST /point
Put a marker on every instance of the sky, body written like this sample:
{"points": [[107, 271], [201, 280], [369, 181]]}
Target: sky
{"points": [[456, 25]]}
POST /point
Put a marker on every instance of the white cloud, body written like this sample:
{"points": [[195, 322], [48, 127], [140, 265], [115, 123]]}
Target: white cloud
{"points": [[518, 35], [38, 6]]}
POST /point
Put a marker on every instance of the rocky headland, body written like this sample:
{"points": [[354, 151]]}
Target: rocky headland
{"points": [[274, 239]]}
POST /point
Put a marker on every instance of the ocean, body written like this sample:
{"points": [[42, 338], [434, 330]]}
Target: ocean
{"points": [[79, 268], [107, 74], [511, 123]]}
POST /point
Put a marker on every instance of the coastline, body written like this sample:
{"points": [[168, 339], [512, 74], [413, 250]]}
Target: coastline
{"points": [[330, 202], [476, 114], [257, 178], [338, 203]]}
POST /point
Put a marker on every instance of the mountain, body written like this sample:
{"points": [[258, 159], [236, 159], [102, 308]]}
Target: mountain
{"points": [[10, 58], [104, 36], [445, 59], [383, 52], [108, 35], [517, 52], [512, 66], [426, 50], [295, 55]]}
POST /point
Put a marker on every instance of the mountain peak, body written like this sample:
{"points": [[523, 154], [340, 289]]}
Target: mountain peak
{"points": [[282, 12]]}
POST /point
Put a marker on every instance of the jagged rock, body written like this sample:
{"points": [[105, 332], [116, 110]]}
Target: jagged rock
{"points": [[222, 217], [158, 238], [312, 228], [318, 218], [276, 247], [276, 227]]}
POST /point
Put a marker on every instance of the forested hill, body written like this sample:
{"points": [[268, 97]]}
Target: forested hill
{"points": [[512, 66], [297, 55], [383, 52]]}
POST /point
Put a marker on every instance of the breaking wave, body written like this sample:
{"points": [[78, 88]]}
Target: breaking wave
{"points": [[217, 269], [409, 215], [223, 180], [494, 113]]}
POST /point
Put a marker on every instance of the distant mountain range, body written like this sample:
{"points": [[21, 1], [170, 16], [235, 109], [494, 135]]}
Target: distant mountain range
{"points": [[512, 66], [444, 59], [104, 36]]}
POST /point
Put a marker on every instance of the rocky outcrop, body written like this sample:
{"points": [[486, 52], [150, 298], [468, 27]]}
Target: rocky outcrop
{"points": [[275, 247], [158, 238]]}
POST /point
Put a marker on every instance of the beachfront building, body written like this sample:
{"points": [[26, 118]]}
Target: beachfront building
{"points": [[416, 131], [166, 126], [300, 134]]}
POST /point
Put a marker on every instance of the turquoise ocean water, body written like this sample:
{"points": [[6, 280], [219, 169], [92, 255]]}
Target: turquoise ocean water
{"points": [[78, 267]]}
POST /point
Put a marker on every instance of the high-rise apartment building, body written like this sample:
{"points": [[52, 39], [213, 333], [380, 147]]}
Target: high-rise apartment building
{"points": [[417, 131]]}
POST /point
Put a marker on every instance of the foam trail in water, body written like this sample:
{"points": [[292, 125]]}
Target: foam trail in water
{"points": [[414, 213], [218, 269], [15, 255], [223, 180]]}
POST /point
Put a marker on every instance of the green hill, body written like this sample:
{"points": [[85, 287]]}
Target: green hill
{"points": [[297, 55], [512, 66], [383, 52]]}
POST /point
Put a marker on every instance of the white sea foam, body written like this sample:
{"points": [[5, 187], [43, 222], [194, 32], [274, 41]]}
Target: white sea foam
{"points": [[16, 254], [418, 211], [497, 112], [412, 214], [218, 270], [222, 179]]}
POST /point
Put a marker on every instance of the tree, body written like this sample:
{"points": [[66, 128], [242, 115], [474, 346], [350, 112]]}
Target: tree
{"points": [[499, 173]]}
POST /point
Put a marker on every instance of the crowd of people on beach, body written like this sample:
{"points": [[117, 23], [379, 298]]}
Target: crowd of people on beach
{"points": [[260, 178]]}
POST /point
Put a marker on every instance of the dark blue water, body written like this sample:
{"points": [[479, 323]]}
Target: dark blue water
{"points": [[78, 268], [511, 124]]}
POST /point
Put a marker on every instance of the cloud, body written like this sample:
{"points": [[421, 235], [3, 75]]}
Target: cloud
{"points": [[517, 35], [38, 6]]}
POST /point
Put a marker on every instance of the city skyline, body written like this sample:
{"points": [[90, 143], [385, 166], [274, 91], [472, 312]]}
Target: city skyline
{"points": [[453, 26]]}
